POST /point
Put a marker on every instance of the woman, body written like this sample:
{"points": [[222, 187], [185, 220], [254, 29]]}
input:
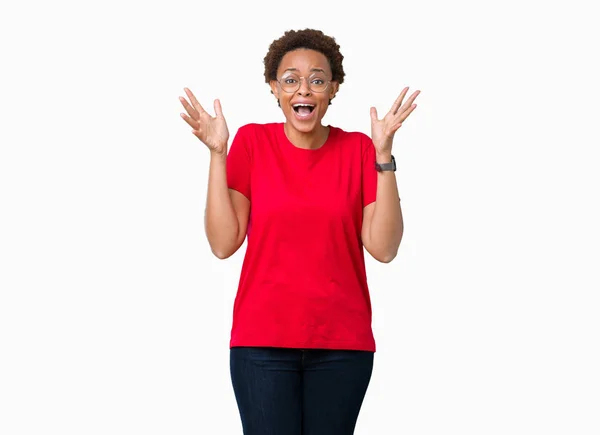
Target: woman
{"points": [[308, 197]]}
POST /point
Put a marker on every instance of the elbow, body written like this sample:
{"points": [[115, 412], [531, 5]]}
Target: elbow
{"points": [[387, 258], [383, 257], [219, 250], [387, 255], [222, 252], [222, 247], [387, 251], [221, 255]]}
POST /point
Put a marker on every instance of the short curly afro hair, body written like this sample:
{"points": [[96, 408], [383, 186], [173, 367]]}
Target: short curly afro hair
{"points": [[310, 39]]}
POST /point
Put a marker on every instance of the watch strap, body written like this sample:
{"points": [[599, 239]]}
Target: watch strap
{"points": [[386, 166]]}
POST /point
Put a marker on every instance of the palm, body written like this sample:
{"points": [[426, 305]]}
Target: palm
{"points": [[211, 130], [383, 130]]}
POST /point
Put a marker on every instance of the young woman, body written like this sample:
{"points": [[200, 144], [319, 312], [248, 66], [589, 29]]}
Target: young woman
{"points": [[308, 197]]}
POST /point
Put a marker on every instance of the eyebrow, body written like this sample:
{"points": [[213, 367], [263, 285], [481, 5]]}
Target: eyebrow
{"points": [[312, 70]]}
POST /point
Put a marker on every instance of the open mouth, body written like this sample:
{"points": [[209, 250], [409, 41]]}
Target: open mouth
{"points": [[303, 109]]}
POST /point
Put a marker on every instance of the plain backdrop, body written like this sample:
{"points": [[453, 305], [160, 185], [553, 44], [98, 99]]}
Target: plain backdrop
{"points": [[115, 316]]}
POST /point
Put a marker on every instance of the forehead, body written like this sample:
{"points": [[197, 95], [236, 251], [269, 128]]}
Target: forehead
{"points": [[304, 60]]}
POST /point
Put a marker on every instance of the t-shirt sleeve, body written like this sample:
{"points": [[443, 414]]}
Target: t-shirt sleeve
{"points": [[369, 173], [239, 163]]}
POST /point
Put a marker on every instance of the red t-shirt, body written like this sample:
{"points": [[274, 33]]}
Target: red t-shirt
{"points": [[303, 282]]}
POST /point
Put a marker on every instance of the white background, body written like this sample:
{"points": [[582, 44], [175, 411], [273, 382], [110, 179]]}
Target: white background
{"points": [[114, 315]]}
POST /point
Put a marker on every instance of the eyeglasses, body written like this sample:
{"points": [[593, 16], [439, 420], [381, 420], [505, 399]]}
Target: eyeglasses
{"points": [[291, 82]]}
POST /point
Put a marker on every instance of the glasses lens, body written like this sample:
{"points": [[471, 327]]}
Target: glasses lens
{"points": [[291, 82], [318, 82]]}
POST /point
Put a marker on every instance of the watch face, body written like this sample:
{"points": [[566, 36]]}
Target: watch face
{"points": [[386, 166]]}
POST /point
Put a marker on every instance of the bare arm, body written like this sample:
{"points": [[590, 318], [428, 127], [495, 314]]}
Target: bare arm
{"points": [[227, 211], [382, 220], [383, 225]]}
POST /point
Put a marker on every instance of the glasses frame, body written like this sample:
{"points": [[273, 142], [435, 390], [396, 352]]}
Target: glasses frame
{"points": [[300, 83]]}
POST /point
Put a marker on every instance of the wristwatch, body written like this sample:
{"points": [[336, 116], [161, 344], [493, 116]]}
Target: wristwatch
{"points": [[386, 166]]}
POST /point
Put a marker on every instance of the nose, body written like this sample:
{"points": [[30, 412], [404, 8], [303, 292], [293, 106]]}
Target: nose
{"points": [[304, 89]]}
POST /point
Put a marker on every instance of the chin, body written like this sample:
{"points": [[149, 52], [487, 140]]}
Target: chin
{"points": [[304, 125]]}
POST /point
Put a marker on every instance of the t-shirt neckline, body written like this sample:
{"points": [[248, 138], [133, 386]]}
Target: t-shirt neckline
{"points": [[306, 150]]}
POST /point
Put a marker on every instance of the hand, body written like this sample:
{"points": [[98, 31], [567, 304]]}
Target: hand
{"points": [[382, 131], [212, 131]]}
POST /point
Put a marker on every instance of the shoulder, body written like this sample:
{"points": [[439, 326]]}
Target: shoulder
{"points": [[253, 132], [247, 130], [355, 138], [257, 128], [256, 138]]}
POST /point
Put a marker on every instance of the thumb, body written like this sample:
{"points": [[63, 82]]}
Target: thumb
{"points": [[373, 114], [218, 109]]}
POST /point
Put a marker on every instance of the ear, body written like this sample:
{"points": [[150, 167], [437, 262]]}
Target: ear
{"points": [[333, 90], [274, 88]]}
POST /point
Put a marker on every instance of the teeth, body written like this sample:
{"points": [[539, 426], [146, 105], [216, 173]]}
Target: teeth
{"points": [[303, 105]]}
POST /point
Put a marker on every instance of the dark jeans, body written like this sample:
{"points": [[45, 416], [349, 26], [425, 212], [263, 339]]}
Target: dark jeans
{"points": [[299, 391]]}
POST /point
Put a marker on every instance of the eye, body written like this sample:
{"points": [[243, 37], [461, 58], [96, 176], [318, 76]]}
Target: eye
{"points": [[289, 81], [318, 81]]}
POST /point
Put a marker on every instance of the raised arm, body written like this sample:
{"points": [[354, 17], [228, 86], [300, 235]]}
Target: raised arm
{"points": [[227, 211]]}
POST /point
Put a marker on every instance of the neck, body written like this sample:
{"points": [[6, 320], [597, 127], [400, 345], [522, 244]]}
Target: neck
{"points": [[310, 140]]}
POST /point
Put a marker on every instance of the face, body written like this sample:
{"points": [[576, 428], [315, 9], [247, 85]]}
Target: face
{"points": [[304, 63]]}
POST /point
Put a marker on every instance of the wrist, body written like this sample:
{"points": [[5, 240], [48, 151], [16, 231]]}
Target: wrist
{"points": [[383, 156], [219, 155]]}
